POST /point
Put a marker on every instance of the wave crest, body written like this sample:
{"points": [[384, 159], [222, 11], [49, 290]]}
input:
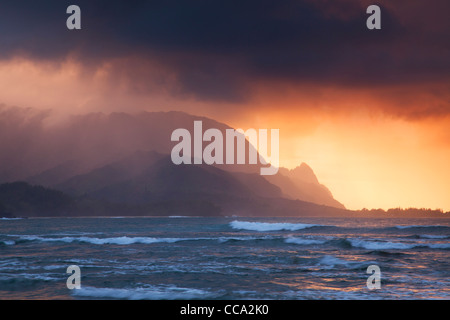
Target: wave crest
{"points": [[386, 245], [115, 240], [267, 226], [144, 293], [422, 226], [301, 241]]}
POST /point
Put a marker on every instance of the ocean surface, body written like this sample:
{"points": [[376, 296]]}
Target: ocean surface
{"points": [[224, 258]]}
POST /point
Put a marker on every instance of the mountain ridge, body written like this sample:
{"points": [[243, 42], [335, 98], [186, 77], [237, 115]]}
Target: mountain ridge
{"points": [[93, 154]]}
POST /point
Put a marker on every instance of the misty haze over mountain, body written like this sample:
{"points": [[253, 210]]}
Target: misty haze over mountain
{"points": [[125, 159]]}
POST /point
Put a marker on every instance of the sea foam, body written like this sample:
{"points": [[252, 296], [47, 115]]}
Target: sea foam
{"points": [[114, 240], [8, 242], [266, 226], [380, 245], [144, 293], [302, 241], [421, 226], [387, 245]]}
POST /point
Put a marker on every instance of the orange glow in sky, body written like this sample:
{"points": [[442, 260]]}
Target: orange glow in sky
{"points": [[372, 161], [366, 156]]}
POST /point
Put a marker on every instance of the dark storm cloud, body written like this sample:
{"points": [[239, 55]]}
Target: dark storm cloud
{"points": [[217, 47]]}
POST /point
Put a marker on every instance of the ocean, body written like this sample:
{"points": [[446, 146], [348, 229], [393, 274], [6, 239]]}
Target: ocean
{"points": [[232, 258]]}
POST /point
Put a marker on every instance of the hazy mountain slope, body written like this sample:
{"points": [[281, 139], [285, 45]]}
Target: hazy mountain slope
{"points": [[158, 179], [22, 199], [302, 184], [112, 173], [58, 153]]}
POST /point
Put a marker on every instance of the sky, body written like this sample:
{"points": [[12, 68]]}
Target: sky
{"points": [[368, 110]]}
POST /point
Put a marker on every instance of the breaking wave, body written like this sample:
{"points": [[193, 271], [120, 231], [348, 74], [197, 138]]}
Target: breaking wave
{"points": [[115, 240], [7, 242], [144, 293], [422, 226], [301, 241], [266, 226], [387, 245]]}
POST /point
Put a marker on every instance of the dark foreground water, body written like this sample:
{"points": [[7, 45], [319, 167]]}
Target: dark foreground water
{"points": [[224, 258]]}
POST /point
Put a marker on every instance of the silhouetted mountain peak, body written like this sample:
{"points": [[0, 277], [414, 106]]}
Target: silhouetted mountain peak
{"points": [[302, 184], [304, 173]]}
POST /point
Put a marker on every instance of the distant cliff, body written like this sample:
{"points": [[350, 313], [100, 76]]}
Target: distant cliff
{"points": [[302, 184]]}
